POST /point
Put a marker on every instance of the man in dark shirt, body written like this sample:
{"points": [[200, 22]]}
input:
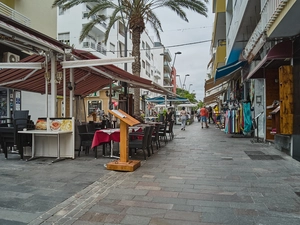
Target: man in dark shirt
{"points": [[210, 113]]}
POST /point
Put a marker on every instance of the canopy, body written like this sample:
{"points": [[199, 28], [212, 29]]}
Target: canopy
{"points": [[229, 69], [28, 73], [161, 99], [279, 55]]}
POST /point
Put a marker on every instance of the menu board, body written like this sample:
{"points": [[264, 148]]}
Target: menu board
{"points": [[57, 124], [61, 124]]}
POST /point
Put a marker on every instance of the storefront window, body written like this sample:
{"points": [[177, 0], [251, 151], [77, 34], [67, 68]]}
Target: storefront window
{"points": [[92, 105]]}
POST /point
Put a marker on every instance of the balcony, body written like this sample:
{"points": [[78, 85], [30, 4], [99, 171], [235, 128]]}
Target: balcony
{"points": [[167, 78], [220, 55], [15, 15], [102, 26], [167, 55], [102, 49], [167, 67], [219, 30], [157, 74], [269, 13]]}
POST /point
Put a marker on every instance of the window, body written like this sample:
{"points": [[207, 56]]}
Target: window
{"points": [[121, 51], [151, 56], [148, 69], [143, 45], [147, 51], [92, 105], [143, 64], [112, 48], [64, 38]]}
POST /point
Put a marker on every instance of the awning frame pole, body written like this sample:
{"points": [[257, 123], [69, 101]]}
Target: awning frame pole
{"points": [[53, 86], [64, 89], [71, 91]]}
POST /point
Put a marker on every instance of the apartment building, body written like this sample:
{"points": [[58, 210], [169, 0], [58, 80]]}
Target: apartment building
{"points": [[259, 39], [153, 59]]}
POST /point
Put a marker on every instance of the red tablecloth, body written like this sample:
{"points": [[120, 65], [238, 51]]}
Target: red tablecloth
{"points": [[105, 135]]}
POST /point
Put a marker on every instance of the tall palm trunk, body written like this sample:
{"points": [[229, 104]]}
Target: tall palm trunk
{"points": [[136, 66]]}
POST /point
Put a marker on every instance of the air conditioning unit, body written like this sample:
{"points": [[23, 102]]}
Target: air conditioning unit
{"points": [[10, 57]]}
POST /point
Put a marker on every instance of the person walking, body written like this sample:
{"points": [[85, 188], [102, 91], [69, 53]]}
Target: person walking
{"points": [[204, 115], [210, 114], [183, 115]]}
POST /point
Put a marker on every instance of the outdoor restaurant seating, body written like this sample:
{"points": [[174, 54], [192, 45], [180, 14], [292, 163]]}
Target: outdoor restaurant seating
{"points": [[9, 136], [163, 132], [169, 129], [149, 141], [86, 138], [155, 135], [136, 143]]}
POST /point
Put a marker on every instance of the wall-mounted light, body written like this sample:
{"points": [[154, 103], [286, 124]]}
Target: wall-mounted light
{"points": [[58, 77], [47, 76], [110, 95], [70, 87]]}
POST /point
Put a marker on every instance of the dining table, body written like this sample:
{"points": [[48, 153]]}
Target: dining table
{"points": [[105, 136]]}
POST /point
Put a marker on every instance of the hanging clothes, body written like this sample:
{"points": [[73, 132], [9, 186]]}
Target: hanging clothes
{"points": [[247, 118]]}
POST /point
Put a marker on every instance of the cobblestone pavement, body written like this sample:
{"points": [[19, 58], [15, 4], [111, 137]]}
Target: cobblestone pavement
{"points": [[202, 176]]}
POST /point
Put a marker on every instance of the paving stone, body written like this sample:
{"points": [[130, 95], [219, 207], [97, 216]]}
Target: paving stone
{"points": [[182, 183], [131, 219]]}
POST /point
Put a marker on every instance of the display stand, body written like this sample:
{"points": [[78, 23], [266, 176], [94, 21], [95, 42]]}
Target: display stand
{"points": [[123, 164]]}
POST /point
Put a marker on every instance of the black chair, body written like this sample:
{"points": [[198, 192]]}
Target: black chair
{"points": [[91, 127], [169, 129], [163, 134], [149, 142], [155, 135], [135, 143], [86, 139], [9, 136]]}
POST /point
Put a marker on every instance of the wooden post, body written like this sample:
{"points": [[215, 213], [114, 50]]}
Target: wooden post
{"points": [[286, 99], [124, 164]]}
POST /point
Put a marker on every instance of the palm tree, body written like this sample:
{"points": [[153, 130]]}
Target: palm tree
{"points": [[138, 13]]}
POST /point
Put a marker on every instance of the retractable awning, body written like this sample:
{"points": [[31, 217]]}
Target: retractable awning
{"points": [[213, 98], [30, 77], [229, 69], [279, 55], [161, 99], [86, 79]]}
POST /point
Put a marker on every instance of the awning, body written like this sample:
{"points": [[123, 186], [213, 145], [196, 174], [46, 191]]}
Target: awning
{"points": [[213, 98], [279, 55], [25, 38], [233, 56], [229, 69], [161, 99], [87, 80], [34, 81], [122, 75]]}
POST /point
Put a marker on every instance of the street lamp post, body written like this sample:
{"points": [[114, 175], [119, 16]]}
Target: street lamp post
{"points": [[187, 75], [179, 80], [190, 87]]}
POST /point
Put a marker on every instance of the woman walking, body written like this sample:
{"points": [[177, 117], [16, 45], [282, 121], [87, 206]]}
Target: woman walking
{"points": [[183, 115]]}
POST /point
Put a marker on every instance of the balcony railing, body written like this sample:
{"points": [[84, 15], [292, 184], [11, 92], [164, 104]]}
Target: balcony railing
{"points": [[271, 9], [101, 49], [13, 14]]}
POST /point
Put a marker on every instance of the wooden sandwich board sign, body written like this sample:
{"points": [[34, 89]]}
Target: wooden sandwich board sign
{"points": [[123, 164]]}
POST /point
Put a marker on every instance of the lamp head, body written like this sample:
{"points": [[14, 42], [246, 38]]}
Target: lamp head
{"points": [[177, 53], [69, 86]]}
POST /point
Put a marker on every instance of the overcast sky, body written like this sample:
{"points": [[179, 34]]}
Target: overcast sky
{"points": [[194, 58]]}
